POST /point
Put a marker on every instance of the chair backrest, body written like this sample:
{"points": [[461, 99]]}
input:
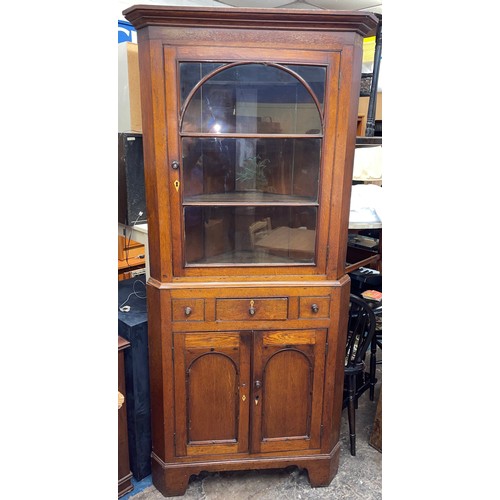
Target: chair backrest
{"points": [[259, 229], [360, 331]]}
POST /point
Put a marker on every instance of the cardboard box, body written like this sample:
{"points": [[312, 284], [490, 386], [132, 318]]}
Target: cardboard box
{"points": [[129, 91]]}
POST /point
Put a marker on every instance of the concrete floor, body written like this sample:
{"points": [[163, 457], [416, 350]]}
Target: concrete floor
{"points": [[358, 478]]}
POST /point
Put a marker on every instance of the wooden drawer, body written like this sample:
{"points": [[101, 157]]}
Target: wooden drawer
{"points": [[314, 307], [188, 310], [256, 309]]}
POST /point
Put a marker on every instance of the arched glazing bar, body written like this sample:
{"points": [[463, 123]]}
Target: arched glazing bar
{"points": [[251, 98]]}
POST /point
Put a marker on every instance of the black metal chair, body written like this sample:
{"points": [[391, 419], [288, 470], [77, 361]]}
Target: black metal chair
{"points": [[360, 333]]}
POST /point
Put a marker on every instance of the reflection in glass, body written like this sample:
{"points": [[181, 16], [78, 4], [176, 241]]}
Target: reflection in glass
{"points": [[315, 77], [250, 199], [192, 73], [253, 98], [250, 235], [280, 167]]}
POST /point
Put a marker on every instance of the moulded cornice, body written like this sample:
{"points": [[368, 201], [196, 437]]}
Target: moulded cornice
{"points": [[363, 23]]}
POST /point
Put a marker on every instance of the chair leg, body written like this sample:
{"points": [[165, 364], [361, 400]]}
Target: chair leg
{"points": [[351, 413], [373, 367]]}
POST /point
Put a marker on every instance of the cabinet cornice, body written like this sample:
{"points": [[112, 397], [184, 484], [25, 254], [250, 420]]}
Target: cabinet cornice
{"points": [[363, 23]]}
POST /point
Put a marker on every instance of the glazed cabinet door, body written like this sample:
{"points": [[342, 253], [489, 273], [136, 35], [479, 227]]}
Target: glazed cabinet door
{"points": [[287, 396], [247, 184], [212, 373]]}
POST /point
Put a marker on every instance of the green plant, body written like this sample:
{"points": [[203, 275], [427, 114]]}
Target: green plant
{"points": [[253, 170]]}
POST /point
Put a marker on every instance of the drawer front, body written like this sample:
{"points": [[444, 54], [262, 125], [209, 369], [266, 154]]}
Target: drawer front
{"points": [[188, 310], [314, 307], [252, 309]]}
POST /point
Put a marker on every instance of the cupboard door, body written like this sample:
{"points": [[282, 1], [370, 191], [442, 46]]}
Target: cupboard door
{"points": [[212, 373], [248, 185], [251, 200], [287, 394]]}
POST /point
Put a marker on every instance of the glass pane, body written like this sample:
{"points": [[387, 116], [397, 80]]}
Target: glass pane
{"points": [[237, 168], [252, 98], [192, 73], [250, 235], [315, 76]]}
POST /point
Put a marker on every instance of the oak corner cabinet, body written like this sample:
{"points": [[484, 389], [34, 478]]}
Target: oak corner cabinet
{"points": [[249, 125]]}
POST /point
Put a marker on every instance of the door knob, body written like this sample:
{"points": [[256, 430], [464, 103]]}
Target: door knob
{"points": [[188, 311], [258, 384], [175, 165], [315, 308]]}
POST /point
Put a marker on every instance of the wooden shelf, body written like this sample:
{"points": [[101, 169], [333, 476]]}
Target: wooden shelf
{"points": [[248, 199]]}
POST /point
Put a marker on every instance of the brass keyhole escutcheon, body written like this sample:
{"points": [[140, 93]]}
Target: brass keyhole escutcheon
{"points": [[252, 308], [243, 398], [176, 185]]}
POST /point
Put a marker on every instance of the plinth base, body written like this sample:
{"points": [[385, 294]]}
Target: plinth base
{"points": [[172, 479]]}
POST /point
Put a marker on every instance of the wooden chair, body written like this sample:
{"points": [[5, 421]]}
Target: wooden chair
{"points": [[376, 342], [370, 378], [360, 332], [259, 229]]}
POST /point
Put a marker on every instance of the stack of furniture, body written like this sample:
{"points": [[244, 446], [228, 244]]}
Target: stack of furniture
{"points": [[359, 255]]}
